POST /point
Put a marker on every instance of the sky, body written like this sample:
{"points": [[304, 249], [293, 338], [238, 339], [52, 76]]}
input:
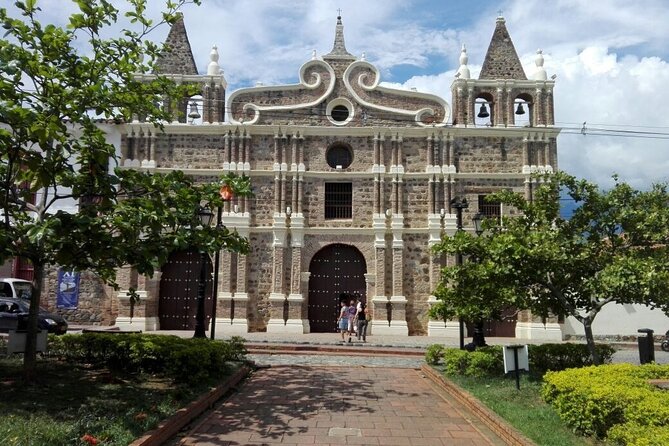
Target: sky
{"points": [[610, 58]]}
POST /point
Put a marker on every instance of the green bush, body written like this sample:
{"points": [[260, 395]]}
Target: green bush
{"points": [[486, 361], [592, 400], [630, 434], [434, 353], [556, 357], [183, 360]]}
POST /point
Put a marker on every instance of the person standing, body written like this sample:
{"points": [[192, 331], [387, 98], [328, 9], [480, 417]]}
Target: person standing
{"points": [[361, 317], [342, 322], [352, 311]]}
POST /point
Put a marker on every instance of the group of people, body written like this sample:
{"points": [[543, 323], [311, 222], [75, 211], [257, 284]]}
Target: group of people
{"points": [[352, 319]]}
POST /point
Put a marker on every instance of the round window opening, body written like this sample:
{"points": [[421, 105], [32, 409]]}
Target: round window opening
{"points": [[339, 156], [339, 113]]}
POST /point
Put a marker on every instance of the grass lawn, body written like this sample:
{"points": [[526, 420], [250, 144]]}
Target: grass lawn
{"points": [[69, 401], [524, 409]]}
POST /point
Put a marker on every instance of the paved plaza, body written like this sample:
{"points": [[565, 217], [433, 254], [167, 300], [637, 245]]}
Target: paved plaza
{"points": [[339, 405]]}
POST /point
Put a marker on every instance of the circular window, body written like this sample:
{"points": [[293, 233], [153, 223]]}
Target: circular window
{"points": [[339, 156], [339, 113]]}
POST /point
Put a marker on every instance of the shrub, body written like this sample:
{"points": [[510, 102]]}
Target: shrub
{"points": [[630, 434], [433, 354], [486, 361], [556, 357], [183, 360], [594, 399]]}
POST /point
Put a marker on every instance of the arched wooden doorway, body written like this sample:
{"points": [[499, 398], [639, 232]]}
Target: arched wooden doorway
{"points": [[177, 306], [335, 269]]}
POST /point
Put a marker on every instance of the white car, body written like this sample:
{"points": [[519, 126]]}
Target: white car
{"points": [[15, 288]]}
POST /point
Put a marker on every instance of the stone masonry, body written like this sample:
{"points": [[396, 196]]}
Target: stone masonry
{"points": [[411, 155]]}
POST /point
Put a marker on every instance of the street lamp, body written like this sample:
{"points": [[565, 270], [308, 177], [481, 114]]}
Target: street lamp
{"points": [[226, 194], [205, 216], [478, 338], [459, 204]]}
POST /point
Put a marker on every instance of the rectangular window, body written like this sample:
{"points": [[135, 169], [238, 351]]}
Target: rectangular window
{"points": [[338, 200], [490, 209]]}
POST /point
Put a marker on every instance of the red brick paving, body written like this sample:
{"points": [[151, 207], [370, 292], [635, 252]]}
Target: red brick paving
{"points": [[299, 405]]}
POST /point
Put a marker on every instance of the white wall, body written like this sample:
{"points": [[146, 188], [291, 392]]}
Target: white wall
{"points": [[624, 320]]}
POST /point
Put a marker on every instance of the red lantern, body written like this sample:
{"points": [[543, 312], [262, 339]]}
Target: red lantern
{"points": [[226, 192]]}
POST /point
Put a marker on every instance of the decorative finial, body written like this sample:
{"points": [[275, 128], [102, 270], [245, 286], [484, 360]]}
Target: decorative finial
{"points": [[364, 56], [313, 54], [540, 73], [463, 72], [500, 16], [213, 69]]}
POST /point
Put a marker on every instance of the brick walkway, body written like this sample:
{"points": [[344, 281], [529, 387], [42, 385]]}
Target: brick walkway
{"points": [[318, 405]]}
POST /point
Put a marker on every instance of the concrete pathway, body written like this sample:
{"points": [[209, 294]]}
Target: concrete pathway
{"points": [[339, 405]]}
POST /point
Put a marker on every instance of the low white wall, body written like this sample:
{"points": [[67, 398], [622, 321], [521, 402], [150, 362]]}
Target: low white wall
{"points": [[623, 320]]}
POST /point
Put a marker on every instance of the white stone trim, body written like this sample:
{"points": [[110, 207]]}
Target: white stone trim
{"points": [[396, 328], [304, 84], [137, 323], [227, 326], [417, 114], [538, 331]]}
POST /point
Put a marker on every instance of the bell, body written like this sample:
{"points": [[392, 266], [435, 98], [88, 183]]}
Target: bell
{"points": [[194, 113], [520, 110], [483, 111]]}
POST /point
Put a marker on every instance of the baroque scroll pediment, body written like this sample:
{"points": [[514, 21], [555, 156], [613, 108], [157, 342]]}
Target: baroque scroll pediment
{"points": [[318, 85]]}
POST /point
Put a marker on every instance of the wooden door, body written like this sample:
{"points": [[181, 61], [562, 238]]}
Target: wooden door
{"points": [[335, 270], [177, 306]]}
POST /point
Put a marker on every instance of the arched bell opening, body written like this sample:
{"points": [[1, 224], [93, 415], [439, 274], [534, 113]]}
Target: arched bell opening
{"points": [[484, 110], [523, 111]]}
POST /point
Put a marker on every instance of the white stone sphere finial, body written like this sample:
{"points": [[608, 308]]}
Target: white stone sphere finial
{"points": [[313, 54], [364, 56], [213, 69], [540, 73]]}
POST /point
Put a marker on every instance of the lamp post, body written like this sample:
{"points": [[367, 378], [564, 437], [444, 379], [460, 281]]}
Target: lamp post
{"points": [[205, 216], [226, 195], [479, 334], [459, 204]]}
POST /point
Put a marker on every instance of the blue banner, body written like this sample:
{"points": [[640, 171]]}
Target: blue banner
{"points": [[67, 296]]}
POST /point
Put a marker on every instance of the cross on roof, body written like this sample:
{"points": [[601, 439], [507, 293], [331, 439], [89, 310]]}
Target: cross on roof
{"points": [[339, 12], [499, 13]]}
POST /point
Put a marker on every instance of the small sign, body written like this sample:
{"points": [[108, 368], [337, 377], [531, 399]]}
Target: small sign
{"points": [[67, 296], [523, 358]]}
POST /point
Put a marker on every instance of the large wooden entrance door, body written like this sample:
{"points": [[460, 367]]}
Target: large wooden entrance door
{"points": [[177, 306], [335, 269]]}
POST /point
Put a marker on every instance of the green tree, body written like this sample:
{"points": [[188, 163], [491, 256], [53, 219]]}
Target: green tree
{"points": [[613, 249], [55, 85]]}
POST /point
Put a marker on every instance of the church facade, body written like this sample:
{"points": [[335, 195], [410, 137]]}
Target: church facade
{"points": [[353, 184]]}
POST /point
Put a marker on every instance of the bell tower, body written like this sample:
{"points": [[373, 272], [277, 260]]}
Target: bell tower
{"points": [[502, 96]]}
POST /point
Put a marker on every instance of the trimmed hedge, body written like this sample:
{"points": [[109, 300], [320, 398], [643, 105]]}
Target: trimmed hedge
{"points": [[593, 400], [488, 361], [564, 356], [183, 360]]}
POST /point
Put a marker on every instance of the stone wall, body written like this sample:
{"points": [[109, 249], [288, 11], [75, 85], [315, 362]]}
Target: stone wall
{"points": [[95, 299]]}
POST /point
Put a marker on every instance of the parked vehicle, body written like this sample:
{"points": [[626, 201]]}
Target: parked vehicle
{"points": [[15, 288], [14, 316], [665, 342]]}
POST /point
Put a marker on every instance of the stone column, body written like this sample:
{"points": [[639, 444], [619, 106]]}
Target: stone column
{"points": [[143, 315], [277, 297], [533, 327], [224, 298], [296, 322]]}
